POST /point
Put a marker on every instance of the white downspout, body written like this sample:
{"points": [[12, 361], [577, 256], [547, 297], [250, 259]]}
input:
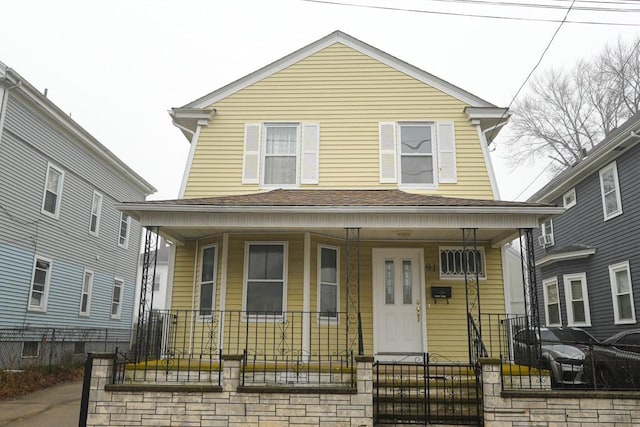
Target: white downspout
{"points": [[306, 297], [193, 295], [4, 100], [192, 150], [487, 159], [223, 288]]}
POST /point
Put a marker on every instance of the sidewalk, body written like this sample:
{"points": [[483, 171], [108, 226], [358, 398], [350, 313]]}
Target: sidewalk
{"points": [[55, 406]]}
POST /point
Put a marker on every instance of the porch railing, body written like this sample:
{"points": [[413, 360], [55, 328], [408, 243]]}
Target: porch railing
{"points": [[277, 347]]}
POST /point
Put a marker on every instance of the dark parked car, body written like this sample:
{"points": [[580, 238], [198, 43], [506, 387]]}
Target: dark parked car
{"points": [[615, 363], [560, 350]]}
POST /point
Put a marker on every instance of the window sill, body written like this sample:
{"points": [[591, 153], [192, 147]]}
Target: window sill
{"points": [[49, 214], [625, 322], [37, 309], [613, 215]]}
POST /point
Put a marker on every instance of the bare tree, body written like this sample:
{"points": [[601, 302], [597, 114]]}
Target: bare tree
{"points": [[566, 113]]}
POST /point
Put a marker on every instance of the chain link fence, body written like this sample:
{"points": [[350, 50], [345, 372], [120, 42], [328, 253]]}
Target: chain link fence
{"points": [[38, 346]]}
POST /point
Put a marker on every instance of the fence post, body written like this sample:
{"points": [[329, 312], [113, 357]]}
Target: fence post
{"points": [[86, 385]]}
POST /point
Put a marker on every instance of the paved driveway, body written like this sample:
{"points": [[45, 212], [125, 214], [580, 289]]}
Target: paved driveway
{"points": [[56, 406]]}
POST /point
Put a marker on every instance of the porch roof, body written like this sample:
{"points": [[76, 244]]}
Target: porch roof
{"points": [[381, 214]]}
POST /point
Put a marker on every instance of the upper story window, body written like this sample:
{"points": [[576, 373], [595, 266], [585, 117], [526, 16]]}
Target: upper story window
{"points": [[577, 299], [622, 293], [610, 188], [552, 302], [281, 155], [96, 210], [39, 293], [455, 261], [417, 154], [52, 191], [569, 199], [125, 224], [546, 234]]}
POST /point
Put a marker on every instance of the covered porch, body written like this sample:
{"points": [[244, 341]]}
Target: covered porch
{"points": [[299, 282]]}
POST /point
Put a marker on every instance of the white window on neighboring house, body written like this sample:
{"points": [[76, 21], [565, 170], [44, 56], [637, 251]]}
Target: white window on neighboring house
{"points": [[569, 199], [328, 282], [207, 280], [265, 284], [546, 238], [125, 224], [610, 189], [96, 210], [552, 302], [577, 299], [281, 155], [455, 261], [52, 191], [622, 293], [85, 296], [116, 298], [39, 293], [417, 154], [157, 279]]}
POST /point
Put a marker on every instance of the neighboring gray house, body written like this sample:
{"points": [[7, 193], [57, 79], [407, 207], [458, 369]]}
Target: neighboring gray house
{"points": [[588, 258], [68, 258], [157, 291]]}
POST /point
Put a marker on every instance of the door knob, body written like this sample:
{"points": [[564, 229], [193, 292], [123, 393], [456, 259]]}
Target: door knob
{"points": [[418, 309]]}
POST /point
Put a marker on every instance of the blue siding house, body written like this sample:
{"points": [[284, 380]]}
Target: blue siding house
{"points": [[68, 257], [588, 258]]}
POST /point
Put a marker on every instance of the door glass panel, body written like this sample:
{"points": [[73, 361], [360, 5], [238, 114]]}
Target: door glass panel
{"points": [[388, 282], [406, 282]]}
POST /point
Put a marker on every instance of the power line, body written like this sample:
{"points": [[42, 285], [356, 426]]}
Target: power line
{"points": [[534, 180], [471, 15], [539, 5]]}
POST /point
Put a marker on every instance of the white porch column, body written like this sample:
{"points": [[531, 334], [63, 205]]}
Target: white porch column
{"points": [[306, 297]]}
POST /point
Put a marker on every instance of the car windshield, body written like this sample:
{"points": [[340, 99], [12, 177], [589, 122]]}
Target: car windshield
{"points": [[566, 335]]}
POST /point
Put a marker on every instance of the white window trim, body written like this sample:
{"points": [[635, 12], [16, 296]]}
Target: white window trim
{"points": [[545, 286], [124, 245], [568, 205], [99, 213], [56, 212], [568, 297], [86, 313], [119, 314], [614, 293], [263, 151], [469, 275], [47, 285], [548, 232], [201, 317], [323, 320], [618, 212], [30, 357], [285, 273], [434, 155]]}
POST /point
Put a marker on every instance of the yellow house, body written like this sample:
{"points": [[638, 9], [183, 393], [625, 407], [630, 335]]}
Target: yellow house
{"points": [[337, 201]]}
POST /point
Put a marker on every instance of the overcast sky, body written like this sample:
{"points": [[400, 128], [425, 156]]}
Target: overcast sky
{"points": [[117, 66]]}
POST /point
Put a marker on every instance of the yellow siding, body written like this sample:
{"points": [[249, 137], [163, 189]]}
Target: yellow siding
{"points": [[348, 94], [446, 323]]}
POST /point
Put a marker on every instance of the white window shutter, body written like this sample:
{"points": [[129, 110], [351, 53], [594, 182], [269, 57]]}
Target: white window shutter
{"points": [[251, 156], [447, 153], [310, 153], [387, 132]]}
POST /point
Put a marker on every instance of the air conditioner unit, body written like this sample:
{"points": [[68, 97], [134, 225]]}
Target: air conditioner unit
{"points": [[545, 240]]}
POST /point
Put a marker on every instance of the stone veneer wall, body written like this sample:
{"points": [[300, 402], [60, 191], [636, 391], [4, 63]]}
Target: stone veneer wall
{"points": [[547, 408], [204, 405]]}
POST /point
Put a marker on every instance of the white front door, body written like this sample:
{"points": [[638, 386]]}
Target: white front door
{"points": [[399, 329]]}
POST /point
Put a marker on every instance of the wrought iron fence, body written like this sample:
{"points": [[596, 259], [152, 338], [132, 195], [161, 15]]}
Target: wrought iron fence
{"points": [[40, 346], [427, 393], [277, 347]]}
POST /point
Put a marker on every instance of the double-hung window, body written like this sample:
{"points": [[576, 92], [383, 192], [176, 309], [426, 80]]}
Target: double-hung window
{"points": [[622, 293], [207, 280], [125, 224], [116, 298], [265, 283], [552, 302], [577, 299], [569, 199], [610, 187], [85, 296], [40, 284], [52, 191], [96, 210], [456, 260], [546, 234], [417, 160], [281, 154], [328, 282]]}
